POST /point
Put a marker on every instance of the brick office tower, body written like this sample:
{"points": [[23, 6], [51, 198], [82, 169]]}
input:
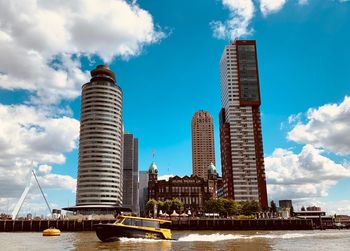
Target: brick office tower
{"points": [[100, 168], [203, 153], [241, 145]]}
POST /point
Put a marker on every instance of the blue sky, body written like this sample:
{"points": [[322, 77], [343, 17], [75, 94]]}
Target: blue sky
{"points": [[168, 71]]}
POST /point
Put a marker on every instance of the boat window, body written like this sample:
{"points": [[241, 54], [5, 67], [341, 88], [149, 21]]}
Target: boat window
{"points": [[138, 222], [154, 224], [129, 222]]}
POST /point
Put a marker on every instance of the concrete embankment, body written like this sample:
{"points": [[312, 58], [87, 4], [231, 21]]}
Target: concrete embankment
{"points": [[180, 224]]}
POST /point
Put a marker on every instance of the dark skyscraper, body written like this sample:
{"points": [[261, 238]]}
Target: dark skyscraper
{"points": [[241, 145], [130, 172]]}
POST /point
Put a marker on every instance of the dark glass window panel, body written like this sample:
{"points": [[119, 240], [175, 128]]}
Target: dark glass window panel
{"points": [[249, 85]]}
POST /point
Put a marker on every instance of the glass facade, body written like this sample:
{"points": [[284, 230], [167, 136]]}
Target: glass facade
{"points": [[248, 74]]}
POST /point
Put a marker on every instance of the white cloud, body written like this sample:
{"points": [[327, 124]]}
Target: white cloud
{"points": [[241, 13], [57, 181], [303, 2], [45, 169], [295, 118], [165, 177], [41, 42], [307, 174], [333, 207], [327, 126], [33, 135], [271, 6]]}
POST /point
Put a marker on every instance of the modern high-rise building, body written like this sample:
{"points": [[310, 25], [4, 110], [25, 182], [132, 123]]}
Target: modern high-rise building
{"points": [[100, 168], [203, 153], [242, 159], [130, 172], [143, 191]]}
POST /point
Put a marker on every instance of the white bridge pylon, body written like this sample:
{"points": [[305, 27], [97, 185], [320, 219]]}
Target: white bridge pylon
{"points": [[24, 195]]}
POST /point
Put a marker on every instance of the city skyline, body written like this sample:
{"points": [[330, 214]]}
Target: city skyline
{"points": [[167, 63]]}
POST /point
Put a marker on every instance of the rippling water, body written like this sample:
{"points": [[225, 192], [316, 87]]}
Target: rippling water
{"points": [[187, 240]]}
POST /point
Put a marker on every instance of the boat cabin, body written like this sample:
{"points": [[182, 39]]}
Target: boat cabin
{"points": [[140, 222]]}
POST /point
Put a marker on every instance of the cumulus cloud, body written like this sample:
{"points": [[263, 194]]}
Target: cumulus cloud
{"points": [[271, 6], [165, 177], [30, 136], [307, 174], [327, 126], [41, 42], [303, 2], [241, 13]]}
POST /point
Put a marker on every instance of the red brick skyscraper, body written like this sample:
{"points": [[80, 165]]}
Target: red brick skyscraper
{"points": [[242, 158], [203, 153]]}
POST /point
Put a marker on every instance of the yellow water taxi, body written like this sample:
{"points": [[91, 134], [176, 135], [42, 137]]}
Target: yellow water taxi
{"points": [[51, 232], [133, 227]]}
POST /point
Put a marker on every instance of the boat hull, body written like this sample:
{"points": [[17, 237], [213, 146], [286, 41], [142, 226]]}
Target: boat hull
{"points": [[111, 232]]}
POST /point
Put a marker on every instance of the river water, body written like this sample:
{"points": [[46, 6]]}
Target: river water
{"points": [[187, 241]]}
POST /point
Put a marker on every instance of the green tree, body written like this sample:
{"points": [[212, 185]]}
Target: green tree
{"points": [[150, 205], [273, 207], [302, 208], [249, 207], [291, 211], [160, 205], [226, 207], [213, 206], [177, 205], [167, 206], [236, 208]]}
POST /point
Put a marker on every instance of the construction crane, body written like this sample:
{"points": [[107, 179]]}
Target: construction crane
{"points": [[24, 195]]}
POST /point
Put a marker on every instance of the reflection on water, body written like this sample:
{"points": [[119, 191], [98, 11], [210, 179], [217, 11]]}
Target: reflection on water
{"points": [[186, 240]]}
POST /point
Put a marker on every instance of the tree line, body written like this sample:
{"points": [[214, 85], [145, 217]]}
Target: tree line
{"points": [[228, 207], [167, 206], [224, 207]]}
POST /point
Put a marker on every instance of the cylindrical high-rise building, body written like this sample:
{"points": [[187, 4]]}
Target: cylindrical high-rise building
{"points": [[100, 169], [203, 153]]}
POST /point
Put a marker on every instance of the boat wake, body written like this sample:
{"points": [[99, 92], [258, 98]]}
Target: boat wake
{"points": [[125, 239], [223, 237]]}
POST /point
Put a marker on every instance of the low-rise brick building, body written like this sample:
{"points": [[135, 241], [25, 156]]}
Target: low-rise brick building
{"points": [[193, 191]]}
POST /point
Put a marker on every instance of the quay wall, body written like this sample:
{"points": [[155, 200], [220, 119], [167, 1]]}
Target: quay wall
{"points": [[40, 225], [180, 224]]}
